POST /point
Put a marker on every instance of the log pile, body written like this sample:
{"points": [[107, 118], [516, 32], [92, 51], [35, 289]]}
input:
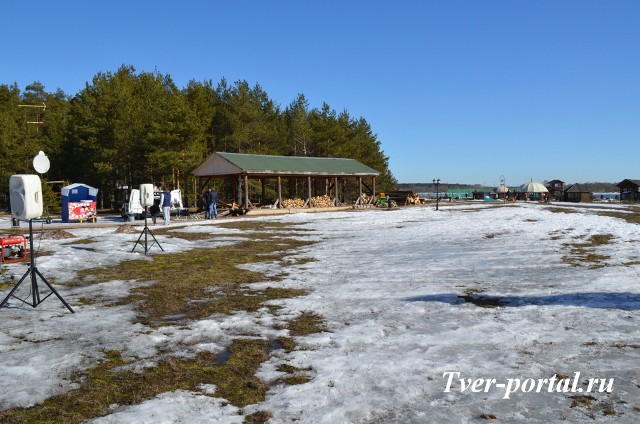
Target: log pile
{"points": [[318, 201], [404, 198], [322, 201], [413, 199], [365, 198], [293, 203]]}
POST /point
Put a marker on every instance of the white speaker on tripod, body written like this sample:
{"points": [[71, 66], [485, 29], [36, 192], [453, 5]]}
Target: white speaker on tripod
{"points": [[146, 200], [25, 194], [146, 195]]}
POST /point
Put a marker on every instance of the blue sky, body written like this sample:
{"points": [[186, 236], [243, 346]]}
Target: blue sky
{"points": [[464, 91]]}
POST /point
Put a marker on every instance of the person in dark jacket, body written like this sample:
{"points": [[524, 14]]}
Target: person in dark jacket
{"points": [[155, 210], [165, 202], [212, 204]]}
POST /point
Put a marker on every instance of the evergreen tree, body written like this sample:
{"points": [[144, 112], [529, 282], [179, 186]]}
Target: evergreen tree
{"points": [[250, 122], [12, 132], [205, 105], [299, 127]]}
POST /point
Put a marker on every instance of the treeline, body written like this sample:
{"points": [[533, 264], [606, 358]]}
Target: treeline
{"points": [[127, 128], [599, 187], [595, 187], [430, 187]]}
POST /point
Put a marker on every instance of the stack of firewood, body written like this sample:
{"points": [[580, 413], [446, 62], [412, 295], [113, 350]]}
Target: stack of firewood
{"points": [[413, 199], [293, 203], [322, 201], [318, 201]]}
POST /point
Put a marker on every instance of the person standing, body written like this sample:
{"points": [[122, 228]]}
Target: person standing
{"points": [[212, 204], [165, 201], [155, 210]]}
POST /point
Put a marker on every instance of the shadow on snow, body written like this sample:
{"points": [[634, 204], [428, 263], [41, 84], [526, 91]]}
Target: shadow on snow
{"points": [[602, 300]]}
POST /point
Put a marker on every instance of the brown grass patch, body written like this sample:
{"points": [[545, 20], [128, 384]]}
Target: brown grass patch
{"points": [[81, 241], [296, 375], [592, 405], [632, 218], [582, 254], [198, 283], [55, 234], [258, 417], [306, 323], [175, 233], [556, 209], [127, 229]]}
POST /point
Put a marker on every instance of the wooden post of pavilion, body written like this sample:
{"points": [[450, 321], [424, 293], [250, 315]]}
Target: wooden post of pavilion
{"points": [[246, 192], [359, 201], [279, 200], [309, 202], [238, 184], [373, 195]]}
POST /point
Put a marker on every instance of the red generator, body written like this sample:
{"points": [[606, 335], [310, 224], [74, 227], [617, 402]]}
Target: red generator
{"points": [[14, 248]]}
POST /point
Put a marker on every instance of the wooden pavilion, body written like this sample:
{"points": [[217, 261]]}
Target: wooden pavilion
{"points": [[240, 168]]}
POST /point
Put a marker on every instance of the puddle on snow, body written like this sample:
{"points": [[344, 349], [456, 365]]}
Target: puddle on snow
{"points": [[222, 357]]}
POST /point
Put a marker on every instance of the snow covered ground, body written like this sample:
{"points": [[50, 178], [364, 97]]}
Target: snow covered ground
{"points": [[402, 293]]}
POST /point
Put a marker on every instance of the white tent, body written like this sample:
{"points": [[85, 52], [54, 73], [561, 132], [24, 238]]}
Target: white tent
{"points": [[532, 187]]}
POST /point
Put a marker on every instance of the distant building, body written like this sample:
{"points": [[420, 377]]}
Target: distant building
{"points": [[575, 193], [629, 190], [460, 193], [556, 189]]}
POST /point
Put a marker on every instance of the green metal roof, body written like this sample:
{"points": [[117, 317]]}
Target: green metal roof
{"points": [[239, 163]]}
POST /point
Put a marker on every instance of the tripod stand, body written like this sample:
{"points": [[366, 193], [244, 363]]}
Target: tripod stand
{"points": [[146, 232], [34, 273]]}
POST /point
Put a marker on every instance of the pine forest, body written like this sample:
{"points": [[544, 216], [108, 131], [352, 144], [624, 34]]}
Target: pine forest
{"points": [[127, 128]]}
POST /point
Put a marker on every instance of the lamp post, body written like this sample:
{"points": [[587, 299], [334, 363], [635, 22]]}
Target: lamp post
{"points": [[437, 183]]}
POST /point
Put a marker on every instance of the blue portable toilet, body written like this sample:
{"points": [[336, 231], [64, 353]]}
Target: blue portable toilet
{"points": [[79, 202]]}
